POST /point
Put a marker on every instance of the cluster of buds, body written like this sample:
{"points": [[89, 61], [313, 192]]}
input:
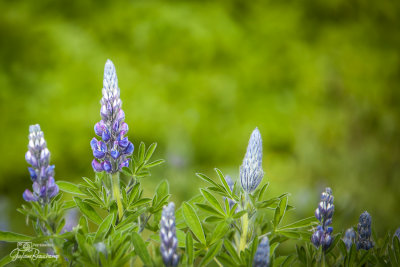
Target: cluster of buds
{"points": [[251, 172], [349, 238], [112, 150], [41, 172], [261, 258], [364, 232], [169, 241], [324, 213]]}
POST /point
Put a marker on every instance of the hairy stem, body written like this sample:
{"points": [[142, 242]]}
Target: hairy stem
{"points": [[117, 193]]}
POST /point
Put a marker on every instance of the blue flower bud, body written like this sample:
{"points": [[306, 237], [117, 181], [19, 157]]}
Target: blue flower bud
{"points": [[107, 166], [169, 241], [261, 258], [364, 232], [251, 172], [349, 238]]}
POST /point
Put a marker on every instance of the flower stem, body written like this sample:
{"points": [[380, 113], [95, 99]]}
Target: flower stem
{"points": [[117, 193]]}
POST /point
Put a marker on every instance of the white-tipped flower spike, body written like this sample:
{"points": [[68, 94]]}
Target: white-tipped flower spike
{"points": [[251, 172], [261, 258], [112, 152], [42, 174], [169, 241]]}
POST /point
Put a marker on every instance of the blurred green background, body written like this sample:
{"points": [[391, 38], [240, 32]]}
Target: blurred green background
{"points": [[319, 78]]}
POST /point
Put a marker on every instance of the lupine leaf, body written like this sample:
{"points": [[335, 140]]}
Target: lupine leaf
{"points": [[88, 211], [141, 249], [104, 227], [300, 224], [6, 260], [212, 200], [150, 151], [334, 243], [223, 181], [193, 222], [69, 187], [261, 191], [206, 179], [141, 152], [232, 251], [154, 163], [13, 237], [189, 249], [209, 209], [211, 252]]}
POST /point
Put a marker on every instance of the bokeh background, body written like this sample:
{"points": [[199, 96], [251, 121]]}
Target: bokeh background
{"points": [[319, 78]]}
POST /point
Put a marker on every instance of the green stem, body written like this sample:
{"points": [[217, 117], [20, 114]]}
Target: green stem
{"points": [[243, 238], [117, 193]]}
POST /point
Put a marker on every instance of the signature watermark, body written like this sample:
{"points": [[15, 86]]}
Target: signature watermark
{"points": [[29, 250]]}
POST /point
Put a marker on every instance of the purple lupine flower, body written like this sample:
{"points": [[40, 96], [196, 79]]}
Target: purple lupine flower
{"points": [[71, 220], [324, 213], [41, 172], [364, 232], [261, 258], [112, 151], [349, 238], [169, 241], [251, 172], [397, 233]]}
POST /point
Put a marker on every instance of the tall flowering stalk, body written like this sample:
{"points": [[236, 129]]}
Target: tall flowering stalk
{"points": [[169, 241], [261, 258], [41, 172], [251, 172], [112, 151], [364, 232], [324, 213]]}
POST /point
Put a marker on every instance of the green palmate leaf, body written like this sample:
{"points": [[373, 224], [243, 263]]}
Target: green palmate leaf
{"points": [[69, 204], [232, 251], [142, 150], [104, 227], [211, 253], [210, 209], [219, 231], [300, 224], [260, 193], [150, 151], [280, 211], [267, 203], [88, 211], [212, 200], [189, 249], [141, 249], [69, 187], [13, 237], [193, 222], [154, 163], [223, 181], [207, 179], [162, 189]]}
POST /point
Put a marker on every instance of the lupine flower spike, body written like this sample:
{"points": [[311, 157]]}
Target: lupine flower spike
{"points": [[112, 150], [261, 258], [41, 172], [169, 241], [364, 232], [349, 238], [324, 213], [251, 172]]}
